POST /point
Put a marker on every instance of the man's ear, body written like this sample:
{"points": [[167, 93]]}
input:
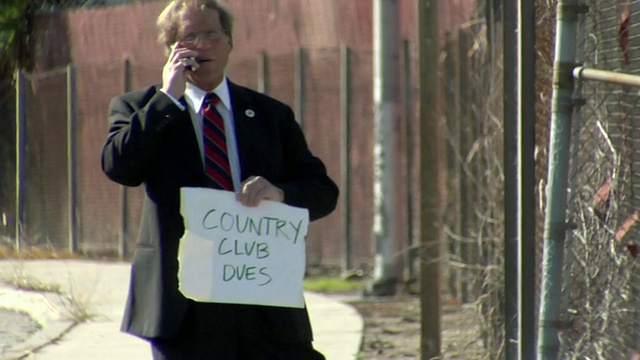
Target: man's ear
{"points": [[231, 42]]}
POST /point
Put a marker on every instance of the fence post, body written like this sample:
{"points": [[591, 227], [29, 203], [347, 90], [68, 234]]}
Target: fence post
{"points": [[71, 157], [263, 73], [431, 182], [490, 20], [124, 192], [555, 226], [453, 129], [410, 254], [476, 185], [463, 147], [345, 110], [20, 153], [298, 86]]}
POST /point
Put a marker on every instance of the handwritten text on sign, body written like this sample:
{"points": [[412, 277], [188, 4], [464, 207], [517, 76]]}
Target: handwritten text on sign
{"points": [[231, 253]]}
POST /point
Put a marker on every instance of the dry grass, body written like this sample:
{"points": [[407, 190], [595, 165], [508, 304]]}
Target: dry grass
{"points": [[76, 306], [34, 253], [26, 282]]}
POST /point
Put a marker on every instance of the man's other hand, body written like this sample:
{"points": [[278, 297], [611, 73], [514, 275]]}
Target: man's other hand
{"points": [[257, 188]]}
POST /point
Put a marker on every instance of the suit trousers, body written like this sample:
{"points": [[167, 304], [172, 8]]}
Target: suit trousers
{"points": [[228, 332]]}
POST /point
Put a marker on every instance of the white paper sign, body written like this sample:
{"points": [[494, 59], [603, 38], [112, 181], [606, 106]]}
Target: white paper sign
{"points": [[231, 253]]}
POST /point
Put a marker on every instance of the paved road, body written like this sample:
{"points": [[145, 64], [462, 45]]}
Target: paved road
{"points": [[16, 327]]}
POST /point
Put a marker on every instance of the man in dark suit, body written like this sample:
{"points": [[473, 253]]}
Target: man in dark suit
{"points": [[156, 138]]}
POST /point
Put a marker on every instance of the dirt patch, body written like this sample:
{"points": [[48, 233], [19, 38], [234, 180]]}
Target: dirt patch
{"points": [[392, 329]]}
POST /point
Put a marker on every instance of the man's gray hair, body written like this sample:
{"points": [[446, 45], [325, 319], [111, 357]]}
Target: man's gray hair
{"points": [[168, 21]]}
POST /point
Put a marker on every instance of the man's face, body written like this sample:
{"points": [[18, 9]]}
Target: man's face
{"points": [[202, 32]]}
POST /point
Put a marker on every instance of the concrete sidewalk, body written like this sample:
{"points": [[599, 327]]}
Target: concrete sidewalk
{"points": [[101, 288]]}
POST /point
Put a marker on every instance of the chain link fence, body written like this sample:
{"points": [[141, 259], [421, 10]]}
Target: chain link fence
{"points": [[601, 291], [473, 72], [59, 160], [601, 285], [473, 97]]}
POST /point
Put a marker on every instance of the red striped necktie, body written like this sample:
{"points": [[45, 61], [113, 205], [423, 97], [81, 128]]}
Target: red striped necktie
{"points": [[216, 159]]}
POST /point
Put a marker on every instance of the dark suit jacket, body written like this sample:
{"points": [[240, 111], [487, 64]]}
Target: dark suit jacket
{"points": [[152, 142]]}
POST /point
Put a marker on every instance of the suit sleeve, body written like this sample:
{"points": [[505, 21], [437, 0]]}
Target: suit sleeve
{"points": [[138, 123], [308, 185]]}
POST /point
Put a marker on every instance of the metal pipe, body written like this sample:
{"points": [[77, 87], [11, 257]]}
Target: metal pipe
{"points": [[555, 227], [565, 343], [385, 98], [510, 144], [609, 77], [526, 180]]}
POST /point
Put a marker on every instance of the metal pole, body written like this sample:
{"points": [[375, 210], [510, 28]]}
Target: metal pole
{"points": [[385, 91], [559, 152], [345, 110], [510, 115], [21, 114], [432, 181], [526, 181], [71, 157], [566, 316]]}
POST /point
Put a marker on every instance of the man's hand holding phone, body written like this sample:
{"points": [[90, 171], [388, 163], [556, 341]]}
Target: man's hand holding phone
{"points": [[187, 63], [180, 63]]}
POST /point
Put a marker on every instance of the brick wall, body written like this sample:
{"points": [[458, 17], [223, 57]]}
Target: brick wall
{"points": [[98, 41]]}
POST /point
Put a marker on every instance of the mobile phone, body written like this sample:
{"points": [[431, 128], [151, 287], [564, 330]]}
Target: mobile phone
{"points": [[189, 67]]}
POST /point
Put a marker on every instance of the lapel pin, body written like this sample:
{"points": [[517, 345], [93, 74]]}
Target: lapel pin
{"points": [[249, 113]]}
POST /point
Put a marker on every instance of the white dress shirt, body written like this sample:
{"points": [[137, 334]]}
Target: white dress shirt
{"points": [[194, 97]]}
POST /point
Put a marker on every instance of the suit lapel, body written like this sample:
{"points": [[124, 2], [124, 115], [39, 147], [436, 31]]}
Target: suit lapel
{"points": [[259, 146], [190, 144], [187, 144], [246, 127]]}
